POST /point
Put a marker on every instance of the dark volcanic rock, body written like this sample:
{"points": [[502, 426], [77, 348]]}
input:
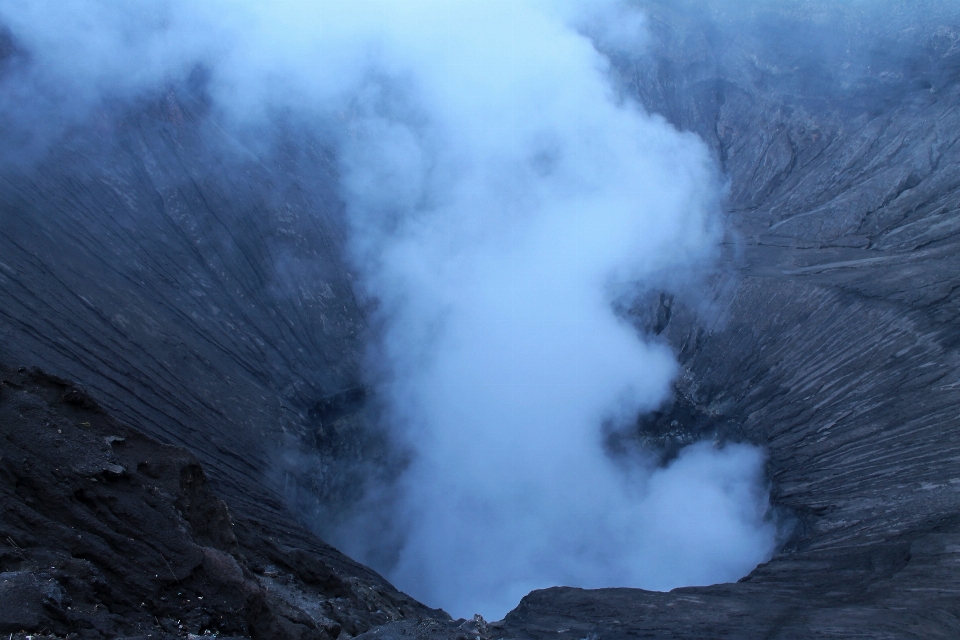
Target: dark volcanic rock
{"points": [[106, 532]]}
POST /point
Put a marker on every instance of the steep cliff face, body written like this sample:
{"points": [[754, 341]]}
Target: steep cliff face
{"points": [[194, 283], [201, 297], [835, 342], [197, 291]]}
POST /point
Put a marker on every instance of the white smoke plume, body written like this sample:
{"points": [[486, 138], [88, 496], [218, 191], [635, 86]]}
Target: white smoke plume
{"points": [[500, 194]]}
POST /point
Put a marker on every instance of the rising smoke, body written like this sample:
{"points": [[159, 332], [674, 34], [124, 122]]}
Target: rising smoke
{"points": [[501, 194]]}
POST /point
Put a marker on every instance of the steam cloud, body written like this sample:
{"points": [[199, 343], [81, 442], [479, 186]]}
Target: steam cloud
{"points": [[501, 195]]}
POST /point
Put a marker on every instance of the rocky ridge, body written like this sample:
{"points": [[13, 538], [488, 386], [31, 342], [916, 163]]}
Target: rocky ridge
{"points": [[107, 533]]}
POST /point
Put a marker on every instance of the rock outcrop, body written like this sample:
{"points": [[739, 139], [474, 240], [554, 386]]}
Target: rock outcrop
{"points": [[106, 532]]}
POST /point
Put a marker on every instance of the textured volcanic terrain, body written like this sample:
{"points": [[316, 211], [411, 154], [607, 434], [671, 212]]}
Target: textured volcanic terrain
{"points": [[195, 287], [836, 344], [108, 532]]}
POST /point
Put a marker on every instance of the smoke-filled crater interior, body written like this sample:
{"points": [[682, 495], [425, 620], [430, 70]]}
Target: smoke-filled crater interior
{"points": [[479, 254]]}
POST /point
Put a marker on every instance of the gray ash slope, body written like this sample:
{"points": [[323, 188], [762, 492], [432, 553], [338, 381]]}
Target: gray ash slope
{"points": [[836, 347], [216, 313], [198, 294]]}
